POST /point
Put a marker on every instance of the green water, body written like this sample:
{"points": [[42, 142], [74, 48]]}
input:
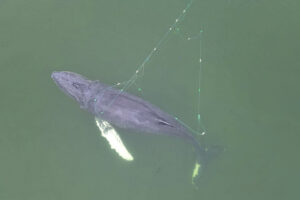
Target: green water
{"points": [[49, 148]]}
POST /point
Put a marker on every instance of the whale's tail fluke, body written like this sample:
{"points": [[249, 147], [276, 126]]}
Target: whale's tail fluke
{"points": [[203, 156]]}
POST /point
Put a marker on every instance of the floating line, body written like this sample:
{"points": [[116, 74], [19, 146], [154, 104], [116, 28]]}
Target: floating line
{"points": [[156, 47], [140, 69]]}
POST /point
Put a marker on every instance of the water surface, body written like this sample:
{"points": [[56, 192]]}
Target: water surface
{"points": [[49, 148]]}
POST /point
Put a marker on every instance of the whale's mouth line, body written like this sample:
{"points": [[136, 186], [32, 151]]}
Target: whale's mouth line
{"points": [[75, 97], [64, 89]]}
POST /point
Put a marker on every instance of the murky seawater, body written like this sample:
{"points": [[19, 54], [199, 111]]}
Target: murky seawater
{"points": [[50, 149]]}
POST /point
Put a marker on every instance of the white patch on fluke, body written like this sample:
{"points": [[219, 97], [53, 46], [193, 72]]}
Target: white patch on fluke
{"points": [[195, 172], [113, 138]]}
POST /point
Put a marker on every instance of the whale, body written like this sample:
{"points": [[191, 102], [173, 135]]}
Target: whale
{"points": [[126, 111]]}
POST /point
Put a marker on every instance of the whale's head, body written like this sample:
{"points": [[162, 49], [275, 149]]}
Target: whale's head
{"points": [[75, 85]]}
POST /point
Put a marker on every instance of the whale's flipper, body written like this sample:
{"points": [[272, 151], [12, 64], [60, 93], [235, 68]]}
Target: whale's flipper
{"points": [[113, 138]]}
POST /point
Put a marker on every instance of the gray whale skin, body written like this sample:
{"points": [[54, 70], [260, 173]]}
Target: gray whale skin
{"points": [[122, 109]]}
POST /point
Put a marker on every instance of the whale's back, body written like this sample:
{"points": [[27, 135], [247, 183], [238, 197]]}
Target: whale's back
{"points": [[127, 111]]}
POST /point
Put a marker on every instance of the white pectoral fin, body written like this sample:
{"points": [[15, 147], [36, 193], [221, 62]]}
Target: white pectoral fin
{"points": [[113, 138]]}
